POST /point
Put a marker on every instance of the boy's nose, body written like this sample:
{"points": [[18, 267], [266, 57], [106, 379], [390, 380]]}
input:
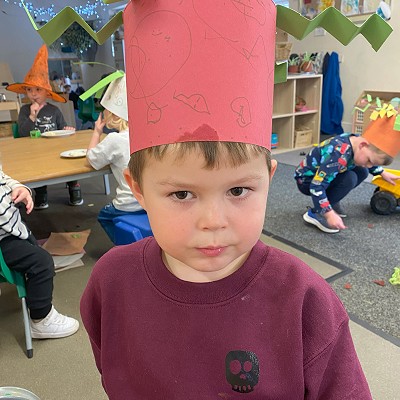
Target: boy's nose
{"points": [[213, 216]]}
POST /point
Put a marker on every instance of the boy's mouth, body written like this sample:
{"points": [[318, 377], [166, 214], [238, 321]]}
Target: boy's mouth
{"points": [[211, 251]]}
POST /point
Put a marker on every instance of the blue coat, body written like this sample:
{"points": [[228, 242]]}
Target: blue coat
{"points": [[332, 104]]}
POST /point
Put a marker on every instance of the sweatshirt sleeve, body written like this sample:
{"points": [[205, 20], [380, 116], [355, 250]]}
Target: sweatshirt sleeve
{"points": [[331, 367], [25, 124], [12, 183], [342, 376]]}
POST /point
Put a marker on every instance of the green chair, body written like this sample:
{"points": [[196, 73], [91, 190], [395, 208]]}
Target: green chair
{"points": [[86, 110], [18, 279]]}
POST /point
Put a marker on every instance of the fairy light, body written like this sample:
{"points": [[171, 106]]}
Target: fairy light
{"points": [[88, 11]]}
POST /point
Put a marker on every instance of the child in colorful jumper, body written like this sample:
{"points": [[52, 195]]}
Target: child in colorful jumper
{"points": [[42, 116], [22, 253], [204, 309], [113, 150], [333, 169]]}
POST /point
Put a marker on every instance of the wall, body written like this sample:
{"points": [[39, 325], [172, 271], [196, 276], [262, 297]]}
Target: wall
{"points": [[362, 68]]}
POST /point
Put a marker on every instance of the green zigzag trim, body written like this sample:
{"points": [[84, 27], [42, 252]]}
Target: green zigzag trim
{"points": [[54, 28], [374, 29]]}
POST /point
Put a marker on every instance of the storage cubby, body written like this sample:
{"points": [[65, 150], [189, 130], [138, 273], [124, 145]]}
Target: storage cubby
{"points": [[285, 118]]}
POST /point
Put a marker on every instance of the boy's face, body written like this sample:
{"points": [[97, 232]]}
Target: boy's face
{"points": [[365, 157], [206, 221], [36, 94]]}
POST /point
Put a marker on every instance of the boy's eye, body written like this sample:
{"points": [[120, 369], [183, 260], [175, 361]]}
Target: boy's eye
{"points": [[238, 191], [182, 195]]}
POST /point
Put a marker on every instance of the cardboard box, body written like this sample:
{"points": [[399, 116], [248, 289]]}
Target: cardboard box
{"points": [[302, 137]]}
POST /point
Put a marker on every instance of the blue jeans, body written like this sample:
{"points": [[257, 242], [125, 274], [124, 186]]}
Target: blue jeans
{"points": [[106, 216], [339, 188]]}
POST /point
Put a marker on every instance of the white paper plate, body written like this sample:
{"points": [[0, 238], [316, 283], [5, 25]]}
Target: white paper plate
{"points": [[62, 132], [12, 393], [76, 153]]}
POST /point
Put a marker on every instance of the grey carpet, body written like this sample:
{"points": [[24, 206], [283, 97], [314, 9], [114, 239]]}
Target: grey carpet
{"points": [[369, 247]]}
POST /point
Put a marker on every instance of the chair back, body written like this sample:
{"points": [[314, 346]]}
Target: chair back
{"points": [[131, 228], [86, 110], [13, 277]]}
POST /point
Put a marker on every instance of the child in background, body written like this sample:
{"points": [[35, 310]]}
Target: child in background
{"points": [[113, 150], [333, 169], [204, 309], [42, 116], [22, 253]]}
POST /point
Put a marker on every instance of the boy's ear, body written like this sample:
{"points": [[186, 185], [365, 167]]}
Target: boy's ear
{"points": [[274, 164], [135, 188]]}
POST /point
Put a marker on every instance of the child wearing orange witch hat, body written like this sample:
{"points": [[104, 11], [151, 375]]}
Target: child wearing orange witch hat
{"points": [[204, 309], [42, 116]]}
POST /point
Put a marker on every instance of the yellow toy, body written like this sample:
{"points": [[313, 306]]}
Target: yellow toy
{"points": [[386, 196]]}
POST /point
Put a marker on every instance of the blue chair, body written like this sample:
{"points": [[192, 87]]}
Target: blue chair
{"points": [[131, 228], [86, 110], [18, 279]]}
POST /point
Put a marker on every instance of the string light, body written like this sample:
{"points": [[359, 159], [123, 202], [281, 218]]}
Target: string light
{"points": [[89, 11]]}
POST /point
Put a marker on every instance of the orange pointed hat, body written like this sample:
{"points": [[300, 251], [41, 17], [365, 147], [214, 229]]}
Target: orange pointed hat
{"points": [[199, 70], [38, 76], [382, 134]]}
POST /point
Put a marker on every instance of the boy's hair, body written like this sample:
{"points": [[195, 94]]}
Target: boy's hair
{"points": [[114, 122], [213, 153], [387, 160]]}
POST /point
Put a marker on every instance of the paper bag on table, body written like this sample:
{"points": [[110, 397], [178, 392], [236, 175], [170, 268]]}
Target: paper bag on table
{"points": [[66, 243]]}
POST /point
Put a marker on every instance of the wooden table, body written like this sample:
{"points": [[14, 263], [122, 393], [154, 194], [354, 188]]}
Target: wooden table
{"points": [[37, 162]]}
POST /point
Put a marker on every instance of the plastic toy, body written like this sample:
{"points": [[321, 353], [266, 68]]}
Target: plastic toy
{"points": [[386, 196]]}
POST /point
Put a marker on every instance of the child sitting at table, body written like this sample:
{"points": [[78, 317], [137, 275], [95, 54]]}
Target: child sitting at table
{"points": [[22, 253], [42, 116], [113, 150]]}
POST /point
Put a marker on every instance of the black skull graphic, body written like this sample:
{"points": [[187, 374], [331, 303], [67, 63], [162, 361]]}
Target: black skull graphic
{"points": [[242, 370]]}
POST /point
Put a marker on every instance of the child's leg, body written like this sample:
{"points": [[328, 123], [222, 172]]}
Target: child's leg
{"points": [[41, 198], [344, 183], [27, 257], [75, 195]]}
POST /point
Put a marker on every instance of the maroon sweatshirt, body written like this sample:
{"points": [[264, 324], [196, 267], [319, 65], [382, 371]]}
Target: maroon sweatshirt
{"points": [[274, 329]]}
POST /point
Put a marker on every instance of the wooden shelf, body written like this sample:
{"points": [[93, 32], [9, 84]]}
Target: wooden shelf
{"points": [[285, 118]]}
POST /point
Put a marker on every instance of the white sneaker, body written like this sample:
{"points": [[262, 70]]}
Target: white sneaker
{"points": [[54, 326]]}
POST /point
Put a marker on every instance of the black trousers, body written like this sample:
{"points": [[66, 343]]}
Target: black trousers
{"points": [[42, 190], [26, 256]]}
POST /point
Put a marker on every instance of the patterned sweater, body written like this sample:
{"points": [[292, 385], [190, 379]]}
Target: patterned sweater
{"points": [[49, 118], [10, 217], [322, 164]]}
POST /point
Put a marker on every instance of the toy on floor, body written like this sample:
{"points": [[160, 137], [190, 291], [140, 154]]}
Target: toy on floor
{"points": [[395, 279], [386, 196]]}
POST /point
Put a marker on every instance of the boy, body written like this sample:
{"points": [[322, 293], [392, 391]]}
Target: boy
{"points": [[22, 253], [334, 168], [42, 116], [204, 310], [113, 150]]}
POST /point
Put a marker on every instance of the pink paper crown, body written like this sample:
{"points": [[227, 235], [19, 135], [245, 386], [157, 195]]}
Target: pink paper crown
{"points": [[199, 70]]}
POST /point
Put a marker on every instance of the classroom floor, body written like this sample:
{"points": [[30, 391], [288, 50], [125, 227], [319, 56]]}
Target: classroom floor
{"points": [[64, 369]]}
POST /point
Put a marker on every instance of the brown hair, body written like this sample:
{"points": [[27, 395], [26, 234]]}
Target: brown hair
{"points": [[387, 160], [214, 153]]}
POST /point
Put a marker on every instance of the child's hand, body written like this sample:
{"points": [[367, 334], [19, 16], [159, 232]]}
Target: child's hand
{"points": [[35, 108], [99, 124], [389, 177], [22, 194], [69, 128], [334, 220]]}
